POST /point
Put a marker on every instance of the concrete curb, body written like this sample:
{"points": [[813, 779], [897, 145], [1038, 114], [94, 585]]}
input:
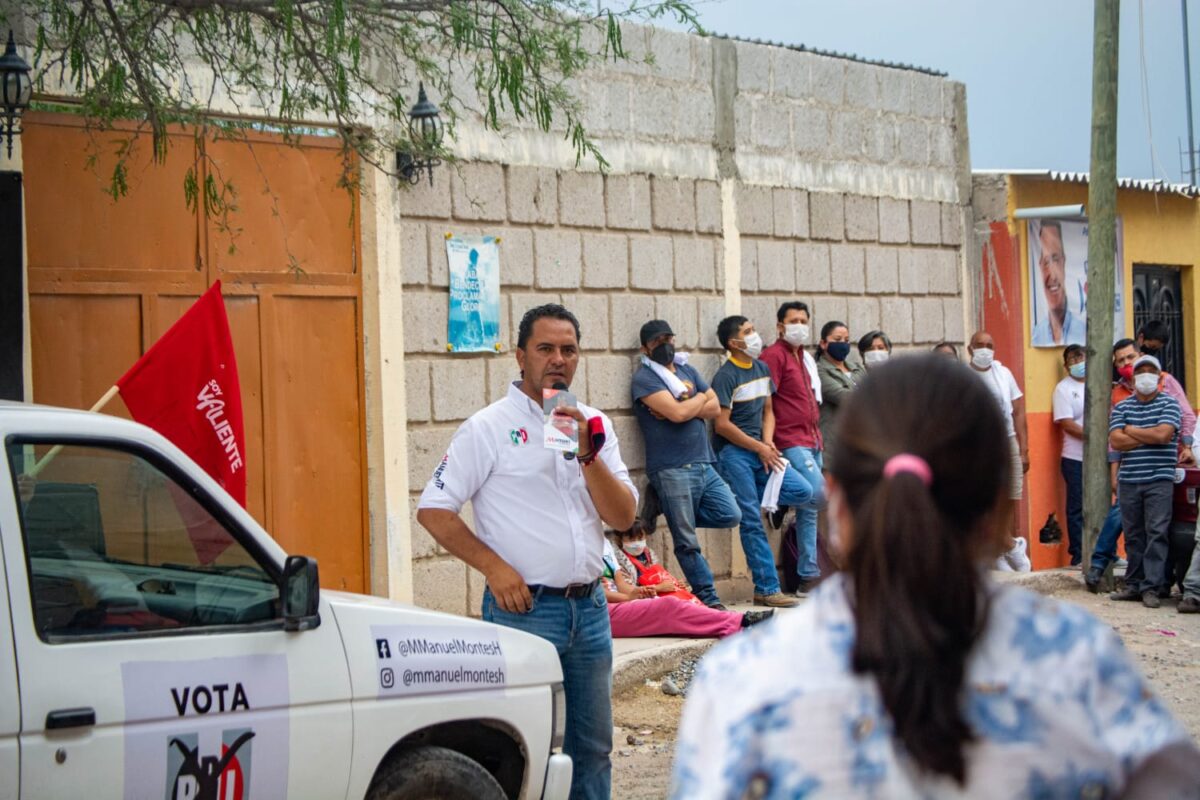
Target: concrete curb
{"points": [[632, 669], [1046, 582]]}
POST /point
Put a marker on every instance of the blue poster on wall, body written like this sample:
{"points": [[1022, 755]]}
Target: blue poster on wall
{"points": [[474, 319]]}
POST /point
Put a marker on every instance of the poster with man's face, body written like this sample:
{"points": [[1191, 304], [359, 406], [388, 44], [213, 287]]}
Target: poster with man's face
{"points": [[1058, 283]]}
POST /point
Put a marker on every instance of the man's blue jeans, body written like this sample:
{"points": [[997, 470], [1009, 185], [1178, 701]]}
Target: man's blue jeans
{"points": [[579, 629], [747, 477], [807, 462], [694, 496], [1072, 472], [1106, 543]]}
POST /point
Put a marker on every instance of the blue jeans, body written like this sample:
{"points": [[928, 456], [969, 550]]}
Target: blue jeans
{"points": [[1106, 543], [1072, 472], [579, 630], [807, 462], [747, 478], [694, 496]]}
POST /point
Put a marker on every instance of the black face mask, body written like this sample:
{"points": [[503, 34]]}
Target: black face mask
{"points": [[1152, 351], [663, 354], [838, 351]]}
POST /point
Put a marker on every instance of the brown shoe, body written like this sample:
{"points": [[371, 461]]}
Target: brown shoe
{"points": [[1150, 599], [1189, 605], [776, 600]]}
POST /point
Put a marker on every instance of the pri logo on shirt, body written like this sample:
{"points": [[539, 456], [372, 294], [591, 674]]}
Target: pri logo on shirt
{"points": [[437, 473], [519, 436]]}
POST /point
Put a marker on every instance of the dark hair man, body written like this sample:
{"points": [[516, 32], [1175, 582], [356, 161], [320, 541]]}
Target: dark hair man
{"points": [[1154, 336], [671, 401], [1059, 326], [1144, 428], [1067, 408], [539, 530]]}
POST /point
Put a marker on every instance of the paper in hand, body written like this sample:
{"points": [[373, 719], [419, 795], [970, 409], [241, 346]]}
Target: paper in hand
{"points": [[560, 432]]}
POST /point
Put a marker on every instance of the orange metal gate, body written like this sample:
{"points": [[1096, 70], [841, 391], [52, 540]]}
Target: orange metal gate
{"points": [[107, 277]]}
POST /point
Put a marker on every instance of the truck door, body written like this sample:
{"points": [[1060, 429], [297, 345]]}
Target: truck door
{"points": [[10, 704], [153, 660]]}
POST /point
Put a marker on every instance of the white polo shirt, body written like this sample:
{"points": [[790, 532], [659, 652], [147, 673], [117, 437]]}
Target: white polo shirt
{"points": [[530, 504]]}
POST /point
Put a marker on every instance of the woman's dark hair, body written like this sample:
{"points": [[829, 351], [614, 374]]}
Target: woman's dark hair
{"points": [[913, 563], [640, 527], [868, 339], [547, 311], [826, 329], [940, 346]]}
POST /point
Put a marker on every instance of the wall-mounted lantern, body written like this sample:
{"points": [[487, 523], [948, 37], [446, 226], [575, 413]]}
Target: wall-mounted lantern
{"points": [[424, 129], [15, 91]]}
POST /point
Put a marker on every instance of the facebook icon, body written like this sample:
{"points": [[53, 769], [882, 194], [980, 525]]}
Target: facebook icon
{"points": [[382, 646]]}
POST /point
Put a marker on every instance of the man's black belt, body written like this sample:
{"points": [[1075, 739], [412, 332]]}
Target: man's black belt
{"points": [[569, 591]]}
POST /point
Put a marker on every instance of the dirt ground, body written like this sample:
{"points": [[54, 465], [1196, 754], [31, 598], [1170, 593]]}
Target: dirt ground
{"points": [[1165, 644]]}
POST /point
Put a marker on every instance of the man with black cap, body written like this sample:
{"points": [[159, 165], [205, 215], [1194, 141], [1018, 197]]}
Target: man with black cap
{"points": [[672, 401]]}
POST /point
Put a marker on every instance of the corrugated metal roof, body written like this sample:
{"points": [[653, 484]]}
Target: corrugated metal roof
{"points": [[1138, 184], [803, 48]]}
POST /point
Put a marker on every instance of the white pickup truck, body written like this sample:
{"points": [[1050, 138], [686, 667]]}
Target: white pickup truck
{"points": [[157, 643]]}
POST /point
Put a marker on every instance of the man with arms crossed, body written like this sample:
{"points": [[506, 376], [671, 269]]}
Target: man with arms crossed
{"points": [[539, 537]]}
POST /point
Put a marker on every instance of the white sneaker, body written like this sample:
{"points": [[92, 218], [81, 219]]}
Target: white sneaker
{"points": [[1002, 564], [1017, 557]]}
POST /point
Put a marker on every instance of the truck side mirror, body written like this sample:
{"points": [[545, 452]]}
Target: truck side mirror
{"points": [[301, 594]]}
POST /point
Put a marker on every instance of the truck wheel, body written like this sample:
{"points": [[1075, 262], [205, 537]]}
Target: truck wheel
{"points": [[433, 773]]}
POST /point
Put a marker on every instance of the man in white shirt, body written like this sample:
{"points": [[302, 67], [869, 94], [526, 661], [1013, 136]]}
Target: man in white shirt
{"points": [[1068, 416], [538, 538], [1000, 381]]}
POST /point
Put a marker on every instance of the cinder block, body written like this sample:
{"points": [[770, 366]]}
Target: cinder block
{"points": [[811, 130], [651, 261], [627, 201], [760, 309], [629, 439], [749, 248], [516, 257], [712, 311], [630, 311], [701, 60], [608, 107], [914, 143], [414, 253], [827, 309], [656, 111], [521, 302], [880, 139], [609, 378], [895, 90], [458, 387], [532, 195], [953, 326], [501, 372], [592, 312], [605, 261], [426, 446], [579, 381], [581, 199], [849, 139], [791, 213], [893, 221], [559, 259], [928, 316], [943, 278], [477, 188], [416, 390], [681, 311], [441, 584], [882, 270], [423, 545], [862, 85], [753, 67], [425, 322], [862, 218], [476, 584], [423, 200], [812, 267], [673, 202], [439, 265], [708, 207], [755, 212], [672, 54], [772, 125], [926, 222], [695, 263], [697, 115], [896, 318], [792, 74], [827, 216], [914, 271], [846, 267], [951, 224], [706, 363], [829, 80], [863, 315], [941, 145], [926, 95], [776, 266]]}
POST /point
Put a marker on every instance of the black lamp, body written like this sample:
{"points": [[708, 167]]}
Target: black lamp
{"points": [[15, 91], [425, 130]]}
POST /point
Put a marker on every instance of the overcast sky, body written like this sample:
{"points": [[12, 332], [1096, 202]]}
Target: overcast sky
{"points": [[1027, 65]]}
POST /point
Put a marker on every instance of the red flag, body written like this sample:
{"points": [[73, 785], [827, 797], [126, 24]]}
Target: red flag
{"points": [[186, 388]]}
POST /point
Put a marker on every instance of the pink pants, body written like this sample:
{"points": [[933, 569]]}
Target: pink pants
{"points": [[670, 616]]}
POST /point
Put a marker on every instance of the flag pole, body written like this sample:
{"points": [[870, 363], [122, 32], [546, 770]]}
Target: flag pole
{"points": [[46, 459]]}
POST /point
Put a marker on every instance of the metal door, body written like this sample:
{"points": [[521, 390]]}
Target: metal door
{"points": [[1157, 294]]}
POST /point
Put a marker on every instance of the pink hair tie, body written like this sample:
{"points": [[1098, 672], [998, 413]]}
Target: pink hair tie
{"points": [[907, 462]]}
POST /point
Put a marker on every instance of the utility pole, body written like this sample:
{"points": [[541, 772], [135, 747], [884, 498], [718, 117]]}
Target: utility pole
{"points": [[1187, 87], [1102, 276]]}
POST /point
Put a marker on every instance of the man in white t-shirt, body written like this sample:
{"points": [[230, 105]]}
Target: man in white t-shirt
{"points": [[1068, 416], [1000, 381]]}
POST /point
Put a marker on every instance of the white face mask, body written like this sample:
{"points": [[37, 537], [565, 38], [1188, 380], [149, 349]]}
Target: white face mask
{"points": [[634, 548], [875, 356], [754, 345], [1145, 383], [795, 334], [982, 357]]}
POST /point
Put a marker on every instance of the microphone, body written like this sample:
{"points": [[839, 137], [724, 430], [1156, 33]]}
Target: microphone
{"points": [[562, 387]]}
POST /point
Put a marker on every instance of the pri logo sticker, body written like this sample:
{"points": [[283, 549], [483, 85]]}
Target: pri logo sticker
{"points": [[197, 777], [519, 436]]}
